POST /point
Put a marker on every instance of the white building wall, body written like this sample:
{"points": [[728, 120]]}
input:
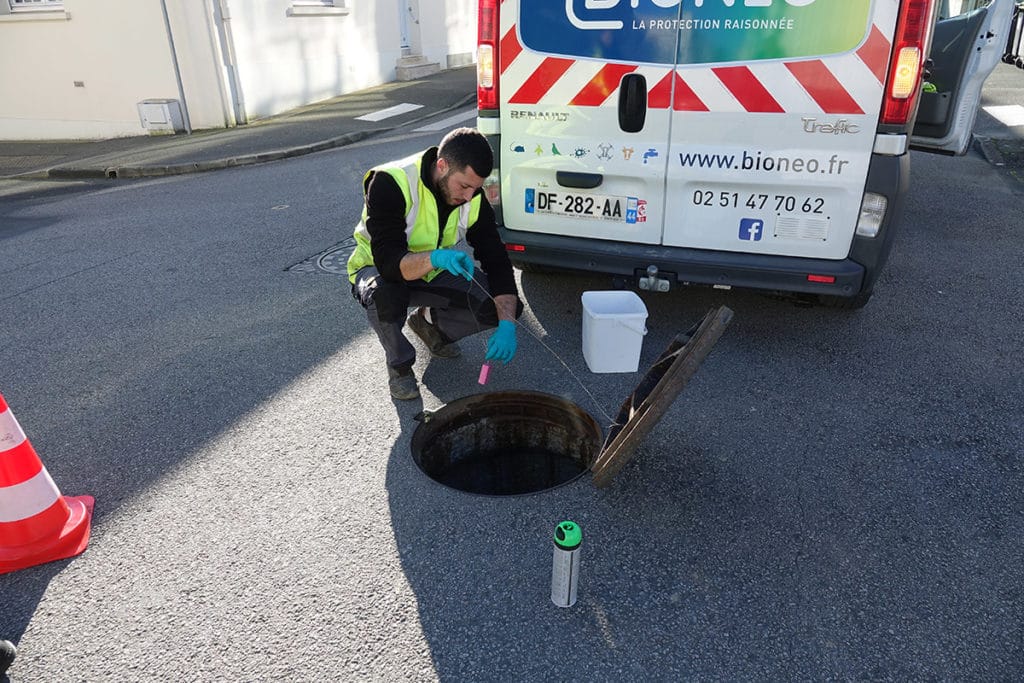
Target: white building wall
{"points": [[288, 61], [44, 54], [118, 53], [201, 62], [448, 32], [118, 50]]}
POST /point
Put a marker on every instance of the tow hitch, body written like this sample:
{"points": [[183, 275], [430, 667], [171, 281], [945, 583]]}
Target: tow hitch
{"points": [[651, 282]]}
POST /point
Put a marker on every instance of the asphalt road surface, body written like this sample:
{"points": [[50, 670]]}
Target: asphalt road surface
{"points": [[836, 495]]}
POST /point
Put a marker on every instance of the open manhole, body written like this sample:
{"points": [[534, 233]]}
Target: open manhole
{"points": [[518, 442], [506, 443]]}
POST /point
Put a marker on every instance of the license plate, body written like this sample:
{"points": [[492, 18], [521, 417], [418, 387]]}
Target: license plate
{"points": [[580, 205]]}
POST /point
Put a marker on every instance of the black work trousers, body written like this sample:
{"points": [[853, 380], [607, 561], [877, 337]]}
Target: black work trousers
{"points": [[458, 308]]}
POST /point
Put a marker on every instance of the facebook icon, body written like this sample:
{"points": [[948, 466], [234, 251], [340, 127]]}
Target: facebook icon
{"points": [[751, 229]]}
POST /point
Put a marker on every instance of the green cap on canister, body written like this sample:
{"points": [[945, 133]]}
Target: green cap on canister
{"points": [[568, 536]]}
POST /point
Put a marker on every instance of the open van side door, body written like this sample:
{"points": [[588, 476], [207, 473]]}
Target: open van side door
{"points": [[965, 49]]}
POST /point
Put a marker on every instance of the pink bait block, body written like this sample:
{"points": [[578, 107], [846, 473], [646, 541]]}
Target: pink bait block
{"points": [[485, 371]]}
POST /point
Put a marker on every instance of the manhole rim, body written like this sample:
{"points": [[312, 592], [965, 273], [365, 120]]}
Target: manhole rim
{"points": [[485, 402]]}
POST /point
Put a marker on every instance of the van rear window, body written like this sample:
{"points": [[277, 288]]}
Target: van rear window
{"points": [[693, 31]]}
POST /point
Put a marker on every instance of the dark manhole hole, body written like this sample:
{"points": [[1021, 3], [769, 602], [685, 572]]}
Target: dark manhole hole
{"points": [[506, 443]]}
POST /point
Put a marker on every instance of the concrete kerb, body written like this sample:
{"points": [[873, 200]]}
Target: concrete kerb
{"points": [[158, 170]]}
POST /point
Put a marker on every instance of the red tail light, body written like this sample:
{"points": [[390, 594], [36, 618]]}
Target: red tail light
{"points": [[913, 29], [487, 55]]}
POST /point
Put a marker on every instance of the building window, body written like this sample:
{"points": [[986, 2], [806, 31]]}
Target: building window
{"points": [[17, 5]]}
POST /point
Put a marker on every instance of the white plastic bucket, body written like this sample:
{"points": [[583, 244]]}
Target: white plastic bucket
{"points": [[613, 330]]}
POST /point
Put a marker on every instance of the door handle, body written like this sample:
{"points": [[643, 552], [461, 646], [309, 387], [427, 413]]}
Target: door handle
{"points": [[632, 103], [577, 179]]}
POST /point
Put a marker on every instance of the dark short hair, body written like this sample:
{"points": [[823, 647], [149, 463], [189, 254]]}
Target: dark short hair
{"points": [[467, 147]]}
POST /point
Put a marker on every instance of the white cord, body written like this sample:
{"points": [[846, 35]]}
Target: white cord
{"points": [[611, 421]]}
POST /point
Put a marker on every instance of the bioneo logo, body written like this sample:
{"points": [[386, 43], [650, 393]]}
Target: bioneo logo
{"points": [[615, 24], [586, 25], [682, 32]]}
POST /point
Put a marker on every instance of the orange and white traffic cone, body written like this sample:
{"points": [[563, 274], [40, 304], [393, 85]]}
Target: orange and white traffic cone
{"points": [[37, 524]]}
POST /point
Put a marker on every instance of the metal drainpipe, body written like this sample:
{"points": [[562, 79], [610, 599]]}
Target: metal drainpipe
{"points": [[177, 71], [222, 18]]}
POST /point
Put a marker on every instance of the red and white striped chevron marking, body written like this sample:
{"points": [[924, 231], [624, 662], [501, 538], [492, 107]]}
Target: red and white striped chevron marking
{"points": [[845, 84]]}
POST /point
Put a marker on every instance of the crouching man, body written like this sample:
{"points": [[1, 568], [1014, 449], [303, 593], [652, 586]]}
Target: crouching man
{"points": [[416, 210]]}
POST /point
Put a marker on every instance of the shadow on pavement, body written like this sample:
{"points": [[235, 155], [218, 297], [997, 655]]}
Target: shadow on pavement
{"points": [[653, 601], [779, 523]]}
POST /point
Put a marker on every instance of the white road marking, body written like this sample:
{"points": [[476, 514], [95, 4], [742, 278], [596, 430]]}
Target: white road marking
{"points": [[396, 110], [450, 122], [1008, 115]]}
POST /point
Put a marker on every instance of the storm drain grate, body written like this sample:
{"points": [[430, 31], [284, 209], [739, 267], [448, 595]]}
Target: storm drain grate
{"points": [[331, 261]]}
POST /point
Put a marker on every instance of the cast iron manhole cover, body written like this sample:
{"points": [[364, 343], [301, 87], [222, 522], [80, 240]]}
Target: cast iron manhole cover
{"points": [[331, 261]]}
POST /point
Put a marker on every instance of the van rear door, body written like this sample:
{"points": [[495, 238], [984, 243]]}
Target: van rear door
{"points": [[581, 155], [774, 106], [966, 47]]}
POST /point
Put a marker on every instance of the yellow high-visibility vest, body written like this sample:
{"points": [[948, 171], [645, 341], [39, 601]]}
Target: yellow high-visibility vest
{"points": [[421, 223]]}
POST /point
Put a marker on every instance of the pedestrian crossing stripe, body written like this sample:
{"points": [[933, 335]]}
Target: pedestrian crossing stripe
{"points": [[1010, 115], [397, 110]]}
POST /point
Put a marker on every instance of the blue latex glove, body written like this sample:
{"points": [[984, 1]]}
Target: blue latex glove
{"points": [[502, 344], [454, 261]]}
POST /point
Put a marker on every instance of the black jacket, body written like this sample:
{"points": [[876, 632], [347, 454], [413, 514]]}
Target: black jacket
{"points": [[385, 221]]}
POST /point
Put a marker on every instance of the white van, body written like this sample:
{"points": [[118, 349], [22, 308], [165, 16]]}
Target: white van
{"points": [[733, 143]]}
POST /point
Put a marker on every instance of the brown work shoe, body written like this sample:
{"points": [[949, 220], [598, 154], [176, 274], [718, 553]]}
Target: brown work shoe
{"points": [[402, 383], [432, 337]]}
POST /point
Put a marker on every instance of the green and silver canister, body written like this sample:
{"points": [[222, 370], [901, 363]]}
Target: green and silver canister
{"points": [[565, 567]]}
